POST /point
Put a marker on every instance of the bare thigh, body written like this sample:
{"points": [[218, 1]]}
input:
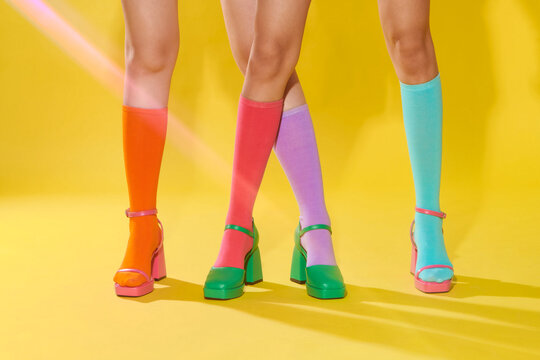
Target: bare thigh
{"points": [[152, 41], [278, 31], [239, 18]]}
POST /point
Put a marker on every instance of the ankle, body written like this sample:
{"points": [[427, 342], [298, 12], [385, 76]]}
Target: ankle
{"points": [[318, 243], [427, 222], [243, 221], [319, 248], [235, 245], [314, 219], [145, 231], [144, 220], [432, 205]]}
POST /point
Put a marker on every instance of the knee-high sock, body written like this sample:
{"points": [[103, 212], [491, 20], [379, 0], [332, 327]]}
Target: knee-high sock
{"points": [[144, 133], [422, 114], [296, 149], [256, 130]]}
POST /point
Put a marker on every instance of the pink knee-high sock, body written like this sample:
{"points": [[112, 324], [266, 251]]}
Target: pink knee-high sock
{"points": [[256, 131], [296, 149]]}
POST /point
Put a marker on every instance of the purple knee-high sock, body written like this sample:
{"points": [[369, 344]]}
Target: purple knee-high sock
{"points": [[296, 149]]}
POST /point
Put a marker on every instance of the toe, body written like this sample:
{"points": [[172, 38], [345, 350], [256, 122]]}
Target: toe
{"points": [[130, 279], [436, 275]]}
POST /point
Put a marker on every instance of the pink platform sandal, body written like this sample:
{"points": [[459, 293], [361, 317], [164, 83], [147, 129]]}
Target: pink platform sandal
{"points": [[158, 271], [427, 286]]}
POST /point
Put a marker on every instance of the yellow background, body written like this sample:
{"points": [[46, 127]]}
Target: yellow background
{"points": [[62, 193]]}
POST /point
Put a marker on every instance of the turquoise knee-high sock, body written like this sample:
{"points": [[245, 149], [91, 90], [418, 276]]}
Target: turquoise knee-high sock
{"points": [[422, 114]]}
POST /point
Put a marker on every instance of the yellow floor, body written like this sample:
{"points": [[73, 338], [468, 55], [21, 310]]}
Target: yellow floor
{"points": [[60, 301], [60, 137]]}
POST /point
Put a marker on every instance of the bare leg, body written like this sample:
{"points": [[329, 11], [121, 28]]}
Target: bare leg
{"points": [[152, 41], [151, 50], [408, 38], [240, 22], [279, 28], [276, 39]]}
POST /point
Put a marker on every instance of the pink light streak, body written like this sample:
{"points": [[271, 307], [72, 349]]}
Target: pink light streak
{"points": [[57, 29]]}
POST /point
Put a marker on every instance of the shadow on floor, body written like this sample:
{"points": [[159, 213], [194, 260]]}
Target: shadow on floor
{"points": [[442, 325]]}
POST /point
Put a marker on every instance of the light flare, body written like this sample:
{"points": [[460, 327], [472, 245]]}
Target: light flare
{"points": [[110, 75]]}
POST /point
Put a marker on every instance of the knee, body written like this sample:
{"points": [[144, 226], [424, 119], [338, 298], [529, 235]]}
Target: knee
{"points": [[410, 50], [270, 60], [241, 57], [156, 57]]}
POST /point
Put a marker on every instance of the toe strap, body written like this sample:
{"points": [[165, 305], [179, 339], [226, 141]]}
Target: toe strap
{"points": [[136, 271], [432, 267]]}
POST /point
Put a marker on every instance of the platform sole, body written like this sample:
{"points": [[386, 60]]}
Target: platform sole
{"points": [[430, 287], [223, 294], [134, 291], [325, 294]]}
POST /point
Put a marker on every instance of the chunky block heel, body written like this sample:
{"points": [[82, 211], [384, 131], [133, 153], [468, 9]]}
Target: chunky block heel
{"points": [[158, 270], [322, 281], [298, 267], [223, 283], [427, 286], [254, 268]]}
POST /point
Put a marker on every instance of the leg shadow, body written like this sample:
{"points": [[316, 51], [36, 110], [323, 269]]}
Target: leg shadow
{"points": [[429, 325]]}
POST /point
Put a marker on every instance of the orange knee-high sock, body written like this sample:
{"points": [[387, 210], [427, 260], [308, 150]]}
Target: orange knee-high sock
{"points": [[144, 133]]}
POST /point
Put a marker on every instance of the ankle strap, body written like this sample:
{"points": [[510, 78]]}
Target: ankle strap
{"points": [[239, 228], [438, 214], [315, 227], [131, 214]]}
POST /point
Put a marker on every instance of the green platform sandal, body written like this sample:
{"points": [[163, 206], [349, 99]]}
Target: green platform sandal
{"points": [[223, 283], [322, 281]]}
